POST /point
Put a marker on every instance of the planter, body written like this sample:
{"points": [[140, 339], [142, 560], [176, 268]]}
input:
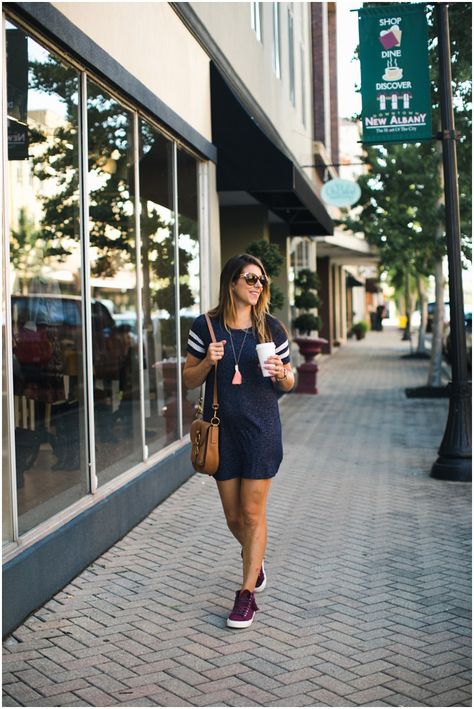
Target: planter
{"points": [[309, 347], [360, 329]]}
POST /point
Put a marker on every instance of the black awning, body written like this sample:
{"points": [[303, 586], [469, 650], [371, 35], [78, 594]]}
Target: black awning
{"points": [[371, 286], [250, 160], [352, 282]]}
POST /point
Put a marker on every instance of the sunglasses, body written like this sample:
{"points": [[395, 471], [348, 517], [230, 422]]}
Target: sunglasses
{"points": [[252, 279]]}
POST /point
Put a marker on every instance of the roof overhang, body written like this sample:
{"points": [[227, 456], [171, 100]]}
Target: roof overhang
{"points": [[251, 161], [346, 249]]}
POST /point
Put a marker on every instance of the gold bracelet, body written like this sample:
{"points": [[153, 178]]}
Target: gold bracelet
{"points": [[282, 379]]}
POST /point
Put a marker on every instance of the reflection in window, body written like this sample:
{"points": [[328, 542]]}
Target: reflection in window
{"points": [[159, 299], [189, 282], [48, 340], [113, 284], [7, 520], [46, 293]]}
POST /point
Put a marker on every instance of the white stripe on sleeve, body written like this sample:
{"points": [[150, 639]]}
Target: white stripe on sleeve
{"points": [[195, 347], [281, 347], [195, 337], [285, 354]]}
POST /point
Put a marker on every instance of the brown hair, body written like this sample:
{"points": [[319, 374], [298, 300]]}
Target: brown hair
{"points": [[226, 310]]}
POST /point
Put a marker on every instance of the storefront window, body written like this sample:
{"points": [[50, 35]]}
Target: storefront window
{"points": [[43, 184], [50, 405], [159, 296], [7, 520], [189, 281], [113, 285]]}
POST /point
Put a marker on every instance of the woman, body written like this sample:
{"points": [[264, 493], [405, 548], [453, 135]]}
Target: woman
{"points": [[250, 445]]}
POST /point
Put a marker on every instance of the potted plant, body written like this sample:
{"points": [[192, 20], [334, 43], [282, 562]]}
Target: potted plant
{"points": [[272, 259], [360, 329], [307, 298]]}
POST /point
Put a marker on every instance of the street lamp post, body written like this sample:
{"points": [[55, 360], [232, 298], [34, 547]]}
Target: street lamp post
{"points": [[454, 455]]}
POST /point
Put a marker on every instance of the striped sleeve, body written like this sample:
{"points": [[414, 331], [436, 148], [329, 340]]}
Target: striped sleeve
{"points": [[198, 338], [280, 338]]}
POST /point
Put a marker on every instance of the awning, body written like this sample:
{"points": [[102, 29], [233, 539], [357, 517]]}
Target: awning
{"points": [[371, 286], [344, 248], [249, 160], [352, 282]]}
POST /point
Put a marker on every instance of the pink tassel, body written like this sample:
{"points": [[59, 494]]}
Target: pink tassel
{"points": [[237, 378]]}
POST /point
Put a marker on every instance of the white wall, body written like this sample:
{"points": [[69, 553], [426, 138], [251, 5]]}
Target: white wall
{"points": [[358, 304], [229, 24], [150, 41]]}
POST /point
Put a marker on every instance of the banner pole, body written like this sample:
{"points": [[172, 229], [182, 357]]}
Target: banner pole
{"points": [[454, 455]]}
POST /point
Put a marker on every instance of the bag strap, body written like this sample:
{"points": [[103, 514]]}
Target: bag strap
{"points": [[215, 402]]}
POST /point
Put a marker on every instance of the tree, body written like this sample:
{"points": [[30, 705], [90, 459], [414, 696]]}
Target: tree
{"points": [[307, 298], [269, 254], [111, 187], [22, 241], [460, 31], [402, 210], [396, 213]]}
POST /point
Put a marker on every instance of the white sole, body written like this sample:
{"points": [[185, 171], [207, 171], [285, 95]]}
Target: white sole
{"points": [[240, 623], [263, 585]]}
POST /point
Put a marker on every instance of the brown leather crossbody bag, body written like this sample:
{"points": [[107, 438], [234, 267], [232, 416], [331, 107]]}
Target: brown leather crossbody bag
{"points": [[205, 434]]}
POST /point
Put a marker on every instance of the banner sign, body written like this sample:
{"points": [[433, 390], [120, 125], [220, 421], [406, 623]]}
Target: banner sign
{"points": [[395, 82], [17, 94]]}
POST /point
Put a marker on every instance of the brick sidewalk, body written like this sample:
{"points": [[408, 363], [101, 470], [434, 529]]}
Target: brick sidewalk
{"points": [[368, 563]]}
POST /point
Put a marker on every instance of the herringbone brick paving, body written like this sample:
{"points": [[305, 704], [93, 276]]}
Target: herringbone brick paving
{"points": [[368, 601]]}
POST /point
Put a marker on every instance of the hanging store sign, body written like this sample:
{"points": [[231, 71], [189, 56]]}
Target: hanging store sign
{"points": [[395, 82], [340, 193]]}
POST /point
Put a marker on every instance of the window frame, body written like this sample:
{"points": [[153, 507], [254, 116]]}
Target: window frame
{"points": [[277, 40], [19, 542], [303, 84], [256, 19], [291, 56]]}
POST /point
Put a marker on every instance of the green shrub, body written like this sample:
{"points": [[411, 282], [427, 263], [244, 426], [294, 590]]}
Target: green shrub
{"points": [[307, 322], [272, 259], [306, 298], [360, 328]]}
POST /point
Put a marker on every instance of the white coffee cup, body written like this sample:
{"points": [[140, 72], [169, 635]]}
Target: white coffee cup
{"points": [[264, 351]]}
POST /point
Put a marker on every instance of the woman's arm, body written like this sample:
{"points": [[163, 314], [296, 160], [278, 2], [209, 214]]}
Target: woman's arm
{"points": [[282, 374], [286, 382], [195, 370]]}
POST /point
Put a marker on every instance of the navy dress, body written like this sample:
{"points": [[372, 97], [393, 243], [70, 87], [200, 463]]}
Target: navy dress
{"points": [[250, 444]]}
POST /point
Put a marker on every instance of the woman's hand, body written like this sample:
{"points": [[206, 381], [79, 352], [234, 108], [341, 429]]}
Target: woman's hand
{"points": [[215, 352], [196, 370], [275, 366]]}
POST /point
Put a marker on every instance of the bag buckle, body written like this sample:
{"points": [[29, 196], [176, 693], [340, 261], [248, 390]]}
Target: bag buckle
{"points": [[215, 420]]}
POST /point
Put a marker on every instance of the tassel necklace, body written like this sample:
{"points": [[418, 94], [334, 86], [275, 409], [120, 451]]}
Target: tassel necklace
{"points": [[237, 378]]}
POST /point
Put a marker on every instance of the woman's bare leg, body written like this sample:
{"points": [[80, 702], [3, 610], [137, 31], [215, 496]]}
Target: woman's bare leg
{"points": [[253, 499], [229, 491]]}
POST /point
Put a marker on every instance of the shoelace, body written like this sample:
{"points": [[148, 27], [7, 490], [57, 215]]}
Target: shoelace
{"points": [[242, 605]]}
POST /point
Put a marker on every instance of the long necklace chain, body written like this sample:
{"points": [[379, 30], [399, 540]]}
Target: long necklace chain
{"points": [[237, 378]]}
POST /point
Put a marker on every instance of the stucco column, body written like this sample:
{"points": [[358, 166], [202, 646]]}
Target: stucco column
{"points": [[343, 305], [240, 225], [211, 255], [326, 309]]}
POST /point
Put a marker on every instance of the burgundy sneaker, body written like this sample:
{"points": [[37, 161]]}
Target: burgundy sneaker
{"points": [[261, 580], [243, 611]]}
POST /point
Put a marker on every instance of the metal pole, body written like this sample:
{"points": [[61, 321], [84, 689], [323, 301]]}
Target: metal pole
{"points": [[454, 455]]}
